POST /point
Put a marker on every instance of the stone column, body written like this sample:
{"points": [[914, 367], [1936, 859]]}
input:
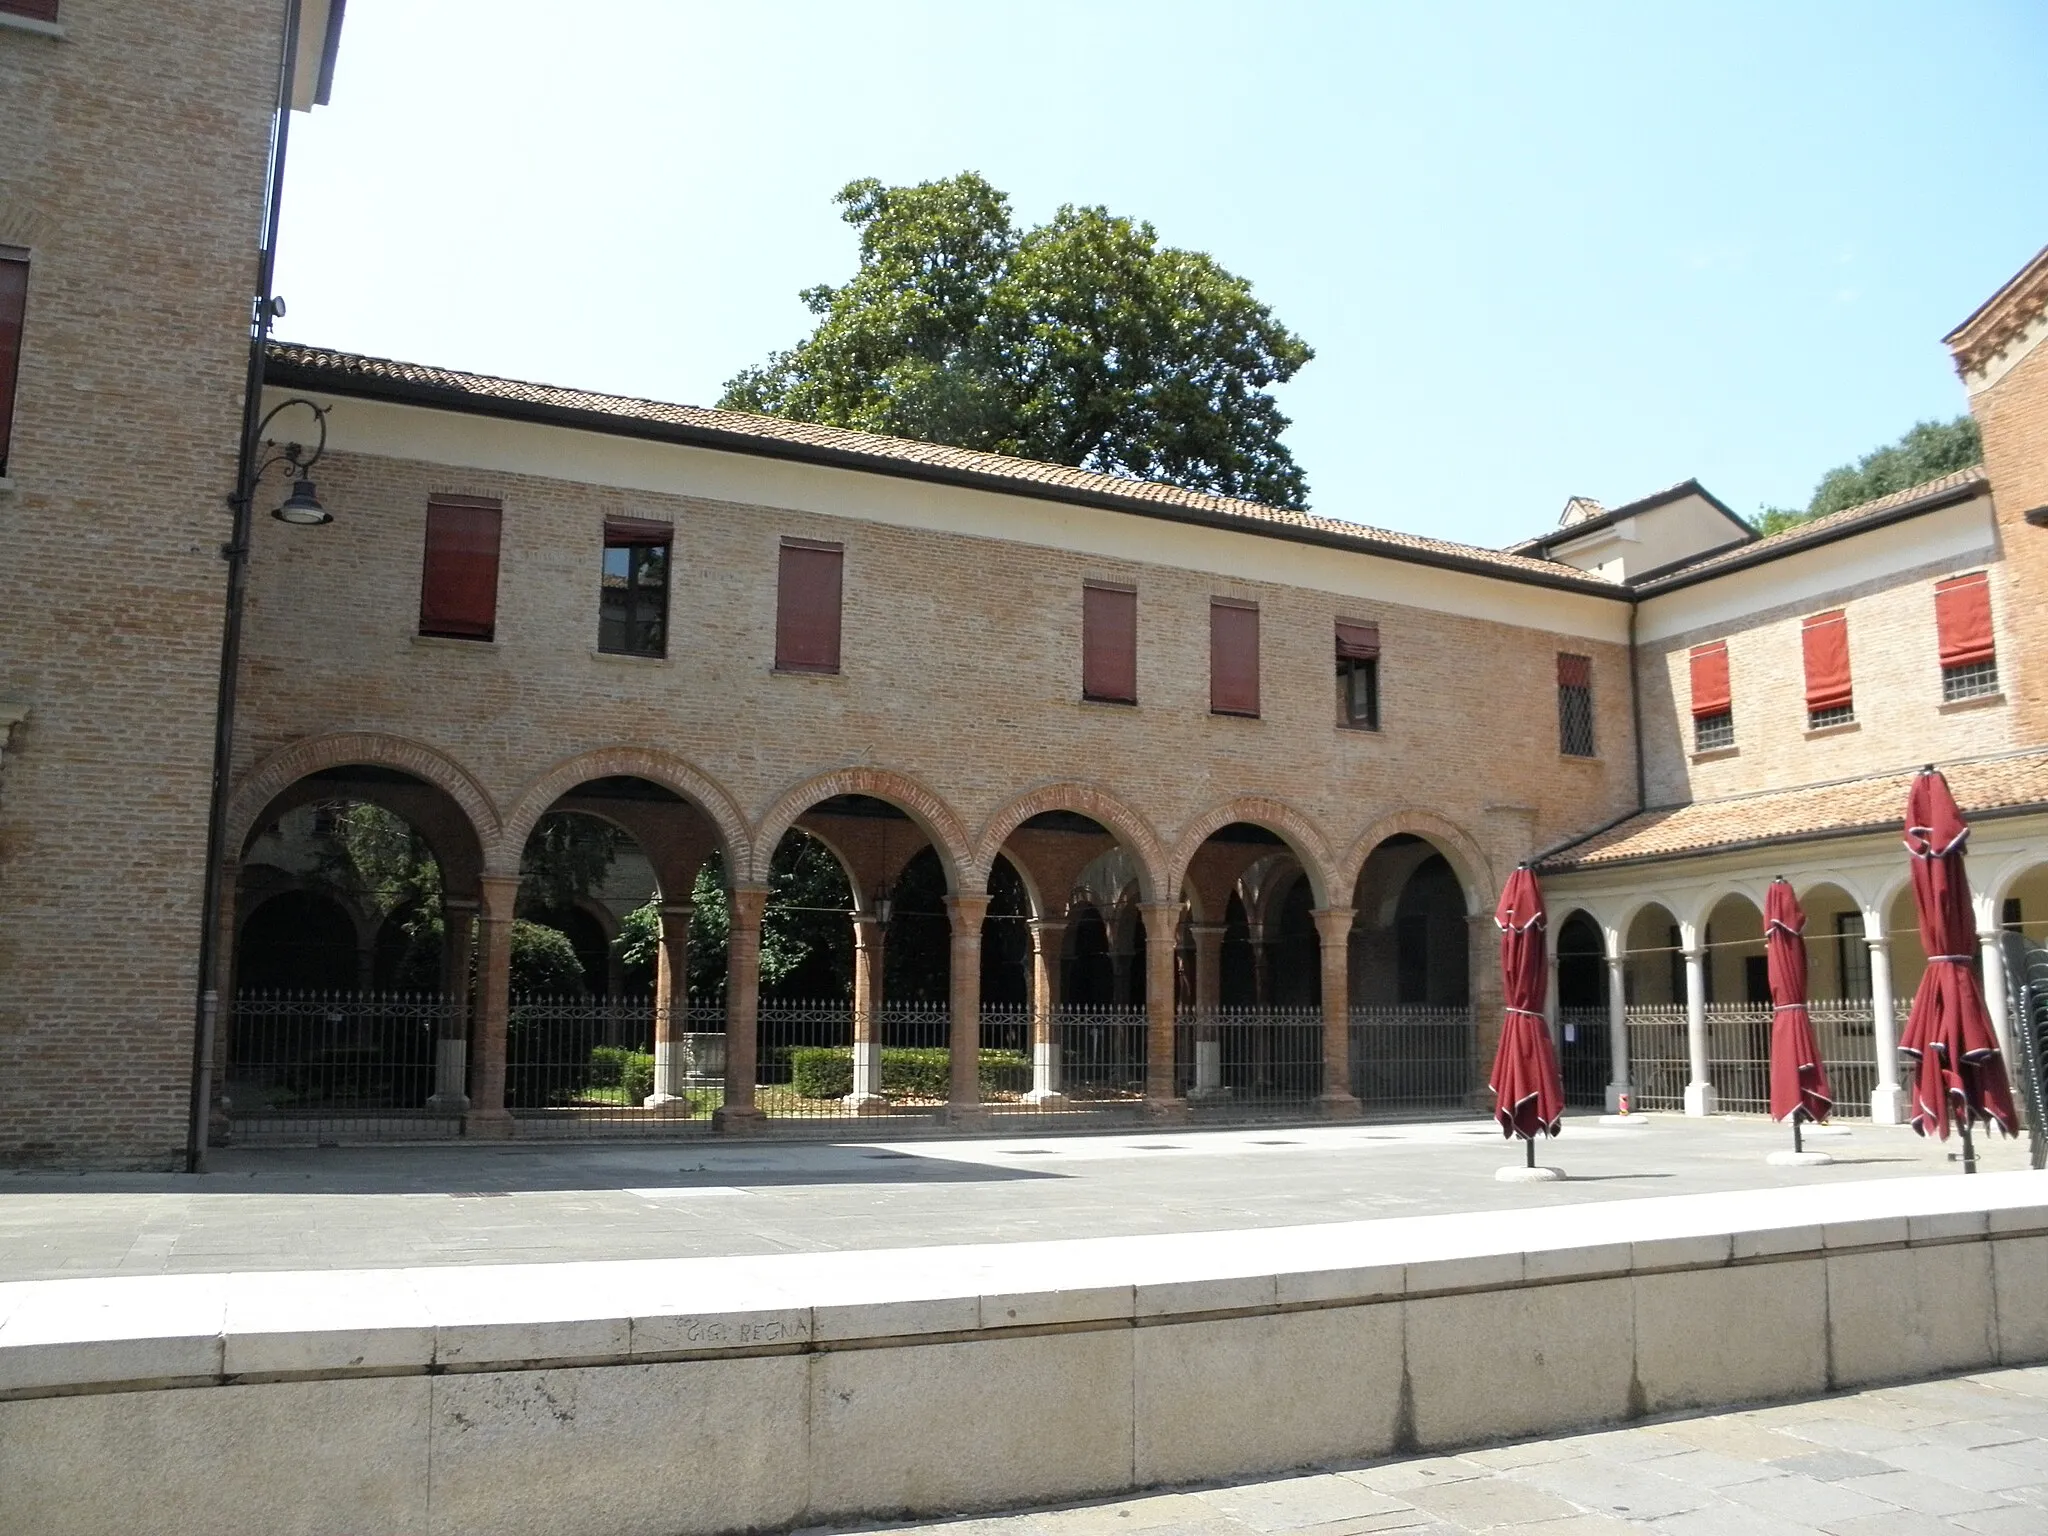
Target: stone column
{"points": [[672, 1005], [1885, 1099], [1333, 926], [963, 1099], [1208, 999], [1162, 941], [869, 940], [742, 1008], [451, 1038], [1047, 937], [1699, 1091], [1617, 1023], [487, 1115], [1993, 967], [1551, 1015]]}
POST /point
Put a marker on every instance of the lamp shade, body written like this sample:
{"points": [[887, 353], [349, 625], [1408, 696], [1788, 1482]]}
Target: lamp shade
{"points": [[303, 507]]}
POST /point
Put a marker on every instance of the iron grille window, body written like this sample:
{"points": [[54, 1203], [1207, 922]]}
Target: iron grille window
{"points": [[1852, 955], [1837, 714], [633, 594], [1971, 680], [1358, 692], [13, 300], [1574, 705], [1713, 731]]}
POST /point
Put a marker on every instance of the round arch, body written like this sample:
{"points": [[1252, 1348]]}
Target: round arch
{"points": [[1119, 820], [1301, 835], [288, 765], [1473, 869], [657, 767], [933, 816]]}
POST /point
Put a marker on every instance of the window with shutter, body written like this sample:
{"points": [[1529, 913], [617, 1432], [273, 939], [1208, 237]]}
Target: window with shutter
{"points": [[1713, 707], [633, 588], [459, 577], [1109, 643], [1358, 675], [1969, 652], [1824, 645], [1574, 705], [807, 600], [13, 305], [1233, 657], [34, 10]]}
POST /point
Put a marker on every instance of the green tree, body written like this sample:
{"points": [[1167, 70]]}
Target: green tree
{"points": [[1930, 450], [544, 963], [1082, 341], [565, 857]]}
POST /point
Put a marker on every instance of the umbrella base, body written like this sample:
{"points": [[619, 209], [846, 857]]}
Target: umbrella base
{"points": [[1789, 1159], [1634, 1120], [1522, 1174]]}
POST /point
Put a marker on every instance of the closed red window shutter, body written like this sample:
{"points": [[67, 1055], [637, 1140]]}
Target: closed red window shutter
{"points": [[13, 301], [807, 606], [1109, 643], [35, 10], [459, 582], [1825, 639], [1574, 671], [1710, 695], [636, 532], [1357, 641], [1962, 619], [1233, 657]]}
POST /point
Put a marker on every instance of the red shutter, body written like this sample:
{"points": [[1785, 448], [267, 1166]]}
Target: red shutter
{"points": [[35, 10], [1109, 643], [1574, 671], [1357, 641], [1962, 619], [1825, 639], [1233, 657], [13, 300], [459, 584], [807, 607], [636, 532], [1710, 695]]}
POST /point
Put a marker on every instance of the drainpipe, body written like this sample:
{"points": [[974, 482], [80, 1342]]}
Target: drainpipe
{"points": [[236, 553], [1635, 709]]}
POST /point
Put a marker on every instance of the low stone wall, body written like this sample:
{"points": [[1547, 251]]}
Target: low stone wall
{"points": [[714, 1395]]}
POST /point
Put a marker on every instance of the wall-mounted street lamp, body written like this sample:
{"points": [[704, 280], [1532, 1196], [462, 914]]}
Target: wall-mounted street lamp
{"points": [[302, 507]]}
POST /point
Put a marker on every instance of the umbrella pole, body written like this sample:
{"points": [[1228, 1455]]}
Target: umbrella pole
{"points": [[1797, 1116], [1529, 1145], [1969, 1148]]}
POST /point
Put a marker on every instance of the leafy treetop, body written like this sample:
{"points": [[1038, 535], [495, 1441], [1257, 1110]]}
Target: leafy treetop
{"points": [[1930, 450]]}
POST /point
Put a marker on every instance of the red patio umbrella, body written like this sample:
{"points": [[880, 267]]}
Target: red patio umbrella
{"points": [[1957, 1069], [1528, 1093], [1799, 1083]]}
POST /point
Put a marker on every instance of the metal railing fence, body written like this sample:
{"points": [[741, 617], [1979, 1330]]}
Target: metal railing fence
{"points": [[586, 1066], [1739, 1056], [330, 1064], [2026, 969], [1248, 1056], [1413, 1058]]}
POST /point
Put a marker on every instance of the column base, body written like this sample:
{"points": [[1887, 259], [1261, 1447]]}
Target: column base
{"points": [[1339, 1106], [656, 1100], [1166, 1110], [1214, 1093], [966, 1117], [1887, 1106], [487, 1124], [1700, 1099], [447, 1103], [866, 1103], [1616, 1092], [737, 1119], [1046, 1098]]}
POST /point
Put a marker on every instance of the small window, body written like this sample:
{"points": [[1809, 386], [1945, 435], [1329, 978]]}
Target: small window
{"points": [[1233, 657], [807, 599], [1824, 647], [1969, 680], [1969, 651], [1712, 732], [1109, 643], [1358, 675], [1852, 961], [1834, 714], [632, 608], [459, 577], [13, 303], [1713, 708], [1574, 705]]}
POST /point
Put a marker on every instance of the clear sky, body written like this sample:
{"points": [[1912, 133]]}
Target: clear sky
{"points": [[1540, 249]]}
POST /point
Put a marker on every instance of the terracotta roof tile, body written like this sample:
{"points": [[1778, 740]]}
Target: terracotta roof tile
{"points": [[339, 368], [1874, 803]]}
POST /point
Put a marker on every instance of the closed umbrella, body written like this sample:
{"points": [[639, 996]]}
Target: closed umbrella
{"points": [[1799, 1083], [1528, 1094], [1957, 1070]]}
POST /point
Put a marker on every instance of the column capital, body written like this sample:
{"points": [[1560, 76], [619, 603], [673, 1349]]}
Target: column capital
{"points": [[1046, 925], [677, 909], [1162, 921], [747, 902], [1878, 942], [463, 904], [498, 896], [1209, 930], [967, 909], [1333, 923]]}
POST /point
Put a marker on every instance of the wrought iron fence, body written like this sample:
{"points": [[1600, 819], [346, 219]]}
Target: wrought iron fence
{"points": [[1583, 1059], [1846, 1030], [1413, 1059], [587, 1066], [1249, 1056], [1658, 1063], [2026, 967], [329, 1064], [1739, 1056], [1101, 1055]]}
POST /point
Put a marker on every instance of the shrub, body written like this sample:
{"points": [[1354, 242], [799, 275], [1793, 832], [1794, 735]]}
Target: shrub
{"points": [[615, 1066], [826, 1072], [821, 1071]]}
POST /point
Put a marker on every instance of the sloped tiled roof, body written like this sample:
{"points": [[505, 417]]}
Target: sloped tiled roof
{"points": [[1871, 804], [742, 431], [1943, 489]]}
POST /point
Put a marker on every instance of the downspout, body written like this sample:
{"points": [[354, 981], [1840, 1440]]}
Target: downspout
{"points": [[1635, 708], [236, 553]]}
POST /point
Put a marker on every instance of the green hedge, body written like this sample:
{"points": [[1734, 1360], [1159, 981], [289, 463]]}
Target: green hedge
{"points": [[826, 1072], [614, 1066]]}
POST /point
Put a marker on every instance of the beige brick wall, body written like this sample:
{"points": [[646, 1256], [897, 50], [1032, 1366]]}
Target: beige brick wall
{"points": [[131, 166], [2013, 414]]}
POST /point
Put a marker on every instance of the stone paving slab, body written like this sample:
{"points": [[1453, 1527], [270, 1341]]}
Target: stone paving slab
{"points": [[1969, 1454], [375, 1207]]}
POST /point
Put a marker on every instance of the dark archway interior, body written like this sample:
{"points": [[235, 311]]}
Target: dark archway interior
{"points": [[1432, 954], [298, 941], [1582, 1006]]}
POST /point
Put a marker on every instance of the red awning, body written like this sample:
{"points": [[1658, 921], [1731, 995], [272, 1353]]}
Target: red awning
{"points": [[1357, 641], [1710, 694], [1962, 619], [1528, 1091], [1825, 639], [1799, 1082], [1574, 671]]}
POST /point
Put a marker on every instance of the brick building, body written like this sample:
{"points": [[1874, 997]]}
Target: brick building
{"points": [[1229, 790]]}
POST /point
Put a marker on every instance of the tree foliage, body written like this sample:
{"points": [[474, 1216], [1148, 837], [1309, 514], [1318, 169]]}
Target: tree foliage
{"points": [[544, 962], [806, 936], [1931, 449], [1082, 341], [566, 856]]}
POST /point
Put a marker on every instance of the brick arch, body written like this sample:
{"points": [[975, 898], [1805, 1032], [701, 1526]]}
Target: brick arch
{"points": [[1301, 835], [288, 765], [1472, 867], [1131, 830], [649, 763], [933, 816]]}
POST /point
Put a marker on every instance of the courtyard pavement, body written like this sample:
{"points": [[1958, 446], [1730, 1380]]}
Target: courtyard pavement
{"points": [[1963, 1454], [498, 1203]]}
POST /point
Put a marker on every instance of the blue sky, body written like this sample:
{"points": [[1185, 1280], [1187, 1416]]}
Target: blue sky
{"points": [[1540, 250]]}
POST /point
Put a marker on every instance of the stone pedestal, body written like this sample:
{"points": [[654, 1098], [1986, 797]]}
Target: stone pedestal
{"points": [[866, 1098], [1887, 1105], [451, 1072], [1700, 1099]]}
